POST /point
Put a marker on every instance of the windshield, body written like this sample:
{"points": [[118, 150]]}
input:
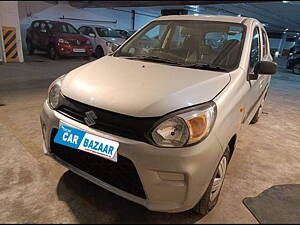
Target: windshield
{"points": [[107, 32], [68, 28], [193, 42]]}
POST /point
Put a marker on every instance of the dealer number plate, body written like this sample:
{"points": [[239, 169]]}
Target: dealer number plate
{"points": [[81, 140]]}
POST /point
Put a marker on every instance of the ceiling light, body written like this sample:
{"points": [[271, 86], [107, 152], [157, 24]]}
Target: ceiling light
{"points": [[285, 1], [196, 14], [239, 15], [286, 29], [297, 33]]}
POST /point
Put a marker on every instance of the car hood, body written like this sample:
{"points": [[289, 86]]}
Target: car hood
{"points": [[72, 36], [115, 40], [142, 89]]}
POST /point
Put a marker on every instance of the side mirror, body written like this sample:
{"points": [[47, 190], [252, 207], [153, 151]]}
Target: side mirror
{"points": [[114, 47], [265, 68], [92, 35]]}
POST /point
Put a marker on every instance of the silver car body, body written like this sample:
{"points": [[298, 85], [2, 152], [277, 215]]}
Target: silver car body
{"points": [[101, 41], [174, 180]]}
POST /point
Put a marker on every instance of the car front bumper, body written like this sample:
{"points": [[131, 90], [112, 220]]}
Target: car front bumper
{"points": [[173, 179], [69, 50]]}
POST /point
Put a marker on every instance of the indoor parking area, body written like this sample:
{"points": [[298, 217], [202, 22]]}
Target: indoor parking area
{"points": [[130, 111]]}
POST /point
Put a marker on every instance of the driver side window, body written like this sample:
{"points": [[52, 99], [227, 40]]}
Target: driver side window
{"points": [[255, 50]]}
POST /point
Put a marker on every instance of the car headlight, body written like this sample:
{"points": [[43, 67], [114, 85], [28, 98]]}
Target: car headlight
{"points": [[186, 127], [54, 93], [109, 44], [60, 40]]}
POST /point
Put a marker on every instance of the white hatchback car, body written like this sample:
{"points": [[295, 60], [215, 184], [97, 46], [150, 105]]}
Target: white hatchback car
{"points": [[103, 39], [158, 120]]}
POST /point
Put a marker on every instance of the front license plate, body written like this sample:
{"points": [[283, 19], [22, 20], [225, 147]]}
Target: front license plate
{"points": [[78, 50], [81, 140]]}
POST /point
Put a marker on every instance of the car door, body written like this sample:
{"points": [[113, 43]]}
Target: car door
{"points": [[256, 85], [43, 35], [99, 39], [35, 33], [85, 30], [266, 56], [94, 40]]}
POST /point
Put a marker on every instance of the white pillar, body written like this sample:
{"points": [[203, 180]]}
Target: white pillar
{"points": [[9, 16]]}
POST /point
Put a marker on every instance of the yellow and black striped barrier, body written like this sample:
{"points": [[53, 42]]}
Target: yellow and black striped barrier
{"points": [[10, 44]]}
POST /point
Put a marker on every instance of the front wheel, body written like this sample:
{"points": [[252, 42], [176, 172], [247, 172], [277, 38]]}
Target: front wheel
{"points": [[52, 53], [211, 196], [296, 69], [30, 48], [99, 52]]}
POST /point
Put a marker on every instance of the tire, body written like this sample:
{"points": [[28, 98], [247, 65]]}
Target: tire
{"points": [[210, 197], [296, 69], [52, 53], [30, 48], [99, 52]]}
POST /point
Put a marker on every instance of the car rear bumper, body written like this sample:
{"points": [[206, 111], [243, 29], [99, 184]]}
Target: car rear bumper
{"points": [[173, 180]]}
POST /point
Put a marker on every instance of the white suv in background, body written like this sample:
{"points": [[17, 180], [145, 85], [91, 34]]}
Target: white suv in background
{"points": [[102, 39]]}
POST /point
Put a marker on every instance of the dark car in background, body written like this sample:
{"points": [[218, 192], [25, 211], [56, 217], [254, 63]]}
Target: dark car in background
{"points": [[57, 38], [295, 49], [293, 63]]}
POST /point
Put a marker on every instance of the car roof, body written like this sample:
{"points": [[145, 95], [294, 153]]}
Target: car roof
{"points": [[219, 18], [96, 26], [50, 21]]}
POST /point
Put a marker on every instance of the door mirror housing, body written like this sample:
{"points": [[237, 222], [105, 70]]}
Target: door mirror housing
{"points": [[265, 68], [115, 46], [92, 35]]}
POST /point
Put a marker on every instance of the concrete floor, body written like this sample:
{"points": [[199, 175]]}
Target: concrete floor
{"points": [[35, 189]]}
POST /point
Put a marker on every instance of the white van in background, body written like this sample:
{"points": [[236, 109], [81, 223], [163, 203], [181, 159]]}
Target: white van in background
{"points": [[102, 39]]}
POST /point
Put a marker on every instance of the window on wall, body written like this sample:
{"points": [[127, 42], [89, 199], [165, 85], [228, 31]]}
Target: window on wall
{"points": [[255, 50]]}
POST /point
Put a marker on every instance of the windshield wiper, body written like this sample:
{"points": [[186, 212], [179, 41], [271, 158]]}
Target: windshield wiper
{"points": [[154, 59], [175, 63], [205, 67]]}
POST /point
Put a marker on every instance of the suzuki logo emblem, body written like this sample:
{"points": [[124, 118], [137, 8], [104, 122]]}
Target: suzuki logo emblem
{"points": [[78, 42], [90, 118]]}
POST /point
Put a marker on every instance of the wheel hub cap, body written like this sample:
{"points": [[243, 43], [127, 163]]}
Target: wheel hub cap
{"points": [[297, 69], [219, 178]]}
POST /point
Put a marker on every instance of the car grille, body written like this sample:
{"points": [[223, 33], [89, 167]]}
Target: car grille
{"points": [[77, 42], [121, 174], [136, 128]]}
